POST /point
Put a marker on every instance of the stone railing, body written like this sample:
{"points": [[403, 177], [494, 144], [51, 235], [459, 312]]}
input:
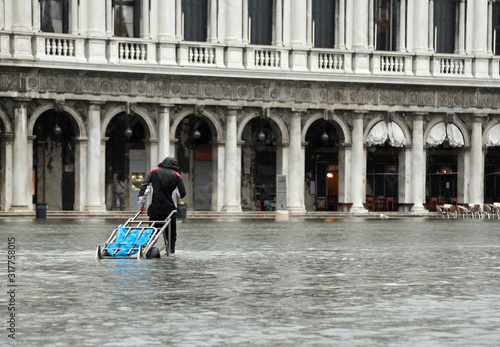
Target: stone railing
{"points": [[393, 63], [200, 54], [132, 51], [452, 65], [265, 57], [58, 47], [330, 61]]}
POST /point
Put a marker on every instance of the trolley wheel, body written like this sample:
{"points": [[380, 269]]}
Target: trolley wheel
{"points": [[98, 252], [153, 253]]}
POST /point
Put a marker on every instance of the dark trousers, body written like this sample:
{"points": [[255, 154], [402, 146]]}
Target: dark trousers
{"points": [[173, 229]]}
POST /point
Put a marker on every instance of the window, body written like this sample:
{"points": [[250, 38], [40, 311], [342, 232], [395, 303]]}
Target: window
{"points": [[496, 27], [386, 24], [260, 14], [323, 14], [195, 20], [127, 15], [54, 16], [444, 24]]}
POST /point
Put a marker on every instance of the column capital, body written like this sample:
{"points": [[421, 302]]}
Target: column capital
{"points": [[166, 105]]}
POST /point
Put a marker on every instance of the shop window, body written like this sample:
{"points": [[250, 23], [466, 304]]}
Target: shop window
{"points": [[323, 14], [195, 20], [260, 13], [127, 18], [54, 16], [386, 24], [444, 25]]}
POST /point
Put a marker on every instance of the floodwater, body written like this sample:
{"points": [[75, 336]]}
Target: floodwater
{"points": [[340, 282]]}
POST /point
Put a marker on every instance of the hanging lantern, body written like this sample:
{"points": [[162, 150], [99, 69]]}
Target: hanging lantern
{"points": [[261, 136], [128, 133], [196, 134], [57, 130], [324, 137]]}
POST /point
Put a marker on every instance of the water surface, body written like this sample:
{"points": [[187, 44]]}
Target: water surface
{"points": [[346, 282]]}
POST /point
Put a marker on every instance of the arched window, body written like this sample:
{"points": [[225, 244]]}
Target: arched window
{"points": [[323, 15], [260, 13], [386, 24], [127, 18], [54, 16], [445, 23], [195, 20]]}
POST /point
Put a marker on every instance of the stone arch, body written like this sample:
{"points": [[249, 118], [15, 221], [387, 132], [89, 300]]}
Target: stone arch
{"points": [[6, 122], [141, 112], [460, 125], [214, 124], [381, 117], [487, 128], [338, 123], [80, 124], [285, 138]]}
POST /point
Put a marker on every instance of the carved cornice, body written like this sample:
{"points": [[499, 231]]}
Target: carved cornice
{"points": [[191, 90]]}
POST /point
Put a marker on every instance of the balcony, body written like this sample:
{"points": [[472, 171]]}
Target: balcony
{"points": [[319, 63]]}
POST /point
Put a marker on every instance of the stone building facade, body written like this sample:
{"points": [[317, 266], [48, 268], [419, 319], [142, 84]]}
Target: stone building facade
{"points": [[359, 110]]}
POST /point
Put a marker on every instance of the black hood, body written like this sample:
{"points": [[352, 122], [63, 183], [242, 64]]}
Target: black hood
{"points": [[169, 163]]}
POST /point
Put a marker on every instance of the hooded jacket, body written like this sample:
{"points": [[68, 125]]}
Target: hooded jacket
{"points": [[163, 179]]}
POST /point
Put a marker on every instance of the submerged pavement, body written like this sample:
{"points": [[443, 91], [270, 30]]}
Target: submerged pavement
{"points": [[323, 282]]}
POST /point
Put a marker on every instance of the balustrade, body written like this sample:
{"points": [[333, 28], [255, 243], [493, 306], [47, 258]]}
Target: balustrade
{"points": [[71, 48]]}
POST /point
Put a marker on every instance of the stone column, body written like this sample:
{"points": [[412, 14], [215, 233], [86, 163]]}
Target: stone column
{"points": [[245, 22], [418, 164], [361, 57], [489, 29], [360, 25], [21, 190], [298, 19], [279, 22], [480, 38], [21, 11], [94, 158], [7, 146], [232, 166], [357, 164], [234, 21], [430, 28], [402, 27], [418, 18], [214, 22], [178, 20], [145, 20], [74, 28], [476, 190], [298, 35], [420, 21], [164, 131], [341, 25], [96, 31], [96, 19], [461, 27], [296, 175], [166, 20], [80, 173]]}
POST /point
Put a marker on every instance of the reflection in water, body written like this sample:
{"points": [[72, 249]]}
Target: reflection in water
{"points": [[352, 282]]}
